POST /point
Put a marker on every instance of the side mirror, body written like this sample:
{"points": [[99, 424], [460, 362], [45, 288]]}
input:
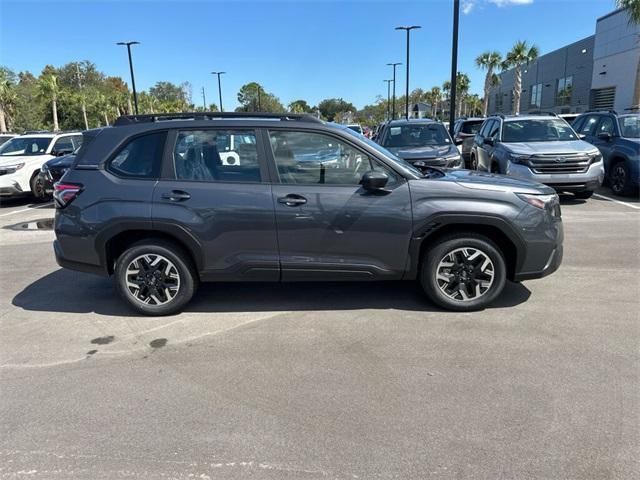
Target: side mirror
{"points": [[458, 141], [488, 141], [582, 136], [373, 181], [606, 136]]}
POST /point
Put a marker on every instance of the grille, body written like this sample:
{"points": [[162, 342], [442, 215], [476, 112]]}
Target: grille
{"points": [[559, 163]]}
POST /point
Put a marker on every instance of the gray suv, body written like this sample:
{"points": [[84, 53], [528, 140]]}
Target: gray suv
{"points": [[162, 202], [541, 148]]}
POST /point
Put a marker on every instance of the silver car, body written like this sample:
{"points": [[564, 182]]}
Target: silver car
{"points": [[542, 148]]}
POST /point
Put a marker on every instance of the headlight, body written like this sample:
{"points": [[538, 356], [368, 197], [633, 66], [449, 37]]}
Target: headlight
{"points": [[13, 168], [538, 201], [453, 161], [595, 157], [515, 158]]}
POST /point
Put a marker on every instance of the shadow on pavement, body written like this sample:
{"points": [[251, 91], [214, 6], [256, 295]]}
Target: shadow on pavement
{"points": [[66, 291], [25, 202]]}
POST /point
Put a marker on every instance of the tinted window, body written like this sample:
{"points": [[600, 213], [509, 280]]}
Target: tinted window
{"points": [[494, 130], [64, 143], [312, 158], [471, 127], [140, 158], [216, 156], [543, 130], [629, 126], [415, 135], [606, 126], [485, 127], [589, 125], [577, 123], [25, 146]]}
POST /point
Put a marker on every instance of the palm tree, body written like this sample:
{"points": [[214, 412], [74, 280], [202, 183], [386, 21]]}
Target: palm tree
{"points": [[49, 89], [462, 86], [521, 53], [488, 61], [7, 98], [436, 94]]}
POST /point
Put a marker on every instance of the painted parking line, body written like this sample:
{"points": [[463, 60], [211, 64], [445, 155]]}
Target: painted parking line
{"points": [[27, 209], [626, 204]]}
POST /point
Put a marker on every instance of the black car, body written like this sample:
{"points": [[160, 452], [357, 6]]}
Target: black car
{"points": [[158, 202], [421, 142], [464, 131], [53, 170]]}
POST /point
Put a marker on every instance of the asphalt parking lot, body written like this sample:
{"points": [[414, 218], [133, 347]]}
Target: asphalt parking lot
{"points": [[312, 381]]}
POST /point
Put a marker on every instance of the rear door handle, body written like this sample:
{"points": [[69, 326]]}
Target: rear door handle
{"points": [[176, 196], [292, 200]]}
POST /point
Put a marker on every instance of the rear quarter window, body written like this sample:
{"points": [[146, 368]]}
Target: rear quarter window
{"points": [[141, 157]]}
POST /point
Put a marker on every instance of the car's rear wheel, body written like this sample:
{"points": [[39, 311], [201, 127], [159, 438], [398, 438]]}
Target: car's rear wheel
{"points": [[620, 179], [464, 272], [584, 195], [155, 277]]}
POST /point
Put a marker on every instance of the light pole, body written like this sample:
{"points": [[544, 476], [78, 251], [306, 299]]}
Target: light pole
{"points": [[133, 81], [388, 96], [454, 66], [408, 30], [219, 88], [393, 111]]}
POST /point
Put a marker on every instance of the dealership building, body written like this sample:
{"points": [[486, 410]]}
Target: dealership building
{"points": [[599, 72]]}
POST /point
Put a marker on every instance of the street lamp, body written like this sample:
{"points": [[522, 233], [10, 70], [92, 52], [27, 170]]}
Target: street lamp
{"points": [[219, 88], [388, 95], [133, 81], [394, 65], [408, 29]]}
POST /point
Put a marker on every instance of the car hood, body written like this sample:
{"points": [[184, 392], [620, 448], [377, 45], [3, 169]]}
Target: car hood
{"points": [[531, 148], [30, 159], [427, 151], [491, 182], [64, 161]]}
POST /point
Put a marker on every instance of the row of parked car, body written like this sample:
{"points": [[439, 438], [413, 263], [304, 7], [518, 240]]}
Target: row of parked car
{"points": [[576, 158]]}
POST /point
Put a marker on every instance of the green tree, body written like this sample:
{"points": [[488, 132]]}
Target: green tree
{"points": [[299, 106], [489, 61], [521, 53], [49, 89], [463, 83], [7, 96], [331, 107], [253, 98], [436, 96]]}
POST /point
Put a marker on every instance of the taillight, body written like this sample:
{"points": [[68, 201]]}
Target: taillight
{"points": [[65, 193]]}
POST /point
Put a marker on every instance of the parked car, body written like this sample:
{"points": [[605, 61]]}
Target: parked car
{"points": [[53, 170], [22, 157], [5, 137], [356, 127], [617, 136], [542, 148], [421, 142], [134, 207], [569, 117], [464, 131]]}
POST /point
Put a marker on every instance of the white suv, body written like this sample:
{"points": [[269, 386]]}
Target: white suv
{"points": [[22, 157]]}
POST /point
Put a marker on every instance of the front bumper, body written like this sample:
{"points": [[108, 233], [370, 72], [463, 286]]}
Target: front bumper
{"points": [[14, 184], [553, 263], [565, 182]]}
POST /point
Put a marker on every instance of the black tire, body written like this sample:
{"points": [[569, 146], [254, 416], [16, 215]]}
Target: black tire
{"points": [[187, 280], [440, 251], [584, 195], [495, 168], [620, 179], [38, 190]]}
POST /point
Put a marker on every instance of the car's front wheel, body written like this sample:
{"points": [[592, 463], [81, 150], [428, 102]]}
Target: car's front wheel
{"points": [[38, 188], [464, 272], [155, 277]]}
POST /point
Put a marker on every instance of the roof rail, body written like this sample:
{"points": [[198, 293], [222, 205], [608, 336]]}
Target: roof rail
{"points": [[602, 111], [32, 132], [501, 115], [163, 117]]}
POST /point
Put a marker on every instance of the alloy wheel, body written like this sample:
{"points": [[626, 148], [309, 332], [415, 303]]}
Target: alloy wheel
{"points": [[465, 274], [152, 279], [618, 178]]}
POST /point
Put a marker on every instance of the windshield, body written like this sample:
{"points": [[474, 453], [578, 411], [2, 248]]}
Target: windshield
{"points": [[25, 146], [401, 163], [543, 130], [629, 126], [416, 135]]}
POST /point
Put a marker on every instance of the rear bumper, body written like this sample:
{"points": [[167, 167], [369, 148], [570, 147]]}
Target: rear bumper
{"points": [[72, 265]]}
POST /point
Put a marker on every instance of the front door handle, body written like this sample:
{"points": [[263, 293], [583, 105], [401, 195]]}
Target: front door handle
{"points": [[292, 200], [176, 196]]}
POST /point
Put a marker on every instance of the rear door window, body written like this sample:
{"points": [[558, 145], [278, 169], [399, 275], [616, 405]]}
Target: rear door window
{"points": [[485, 128], [140, 157], [215, 155]]}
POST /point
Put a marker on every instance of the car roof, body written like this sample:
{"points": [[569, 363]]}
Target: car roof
{"points": [[515, 118], [472, 119], [404, 121]]}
